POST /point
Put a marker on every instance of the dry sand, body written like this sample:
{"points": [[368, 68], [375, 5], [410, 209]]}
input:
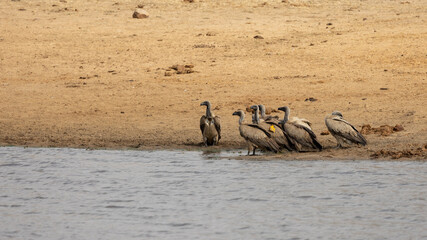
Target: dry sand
{"points": [[84, 73]]}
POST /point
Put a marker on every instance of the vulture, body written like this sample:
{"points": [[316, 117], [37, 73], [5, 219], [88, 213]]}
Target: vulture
{"points": [[210, 125], [273, 127], [343, 131], [299, 135], [255, 136]]}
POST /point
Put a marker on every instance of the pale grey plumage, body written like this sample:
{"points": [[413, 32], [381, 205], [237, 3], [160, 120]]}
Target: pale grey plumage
{"points": [[343, 131], [301, 121], [255, 136], [210, 126], [299, 135], [273, 128]]}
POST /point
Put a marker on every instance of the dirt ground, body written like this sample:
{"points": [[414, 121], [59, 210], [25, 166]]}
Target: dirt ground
{"points": [[84, 73]]}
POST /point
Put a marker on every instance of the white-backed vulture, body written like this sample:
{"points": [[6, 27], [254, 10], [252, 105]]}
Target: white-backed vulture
{"points": [[299, 135], [255, 136], [274, 129], [343, 131], [210, 125]]}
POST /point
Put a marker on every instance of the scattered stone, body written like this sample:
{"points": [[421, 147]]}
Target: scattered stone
{"points": [[258, 37], [202, 45], [311, 99], [180, 69], [383, 88], [140, 13], [210, 34], [406, 153], [326, 132], [384, 130], [410, 113], [328, 24], [140, 6], [398, 128]]}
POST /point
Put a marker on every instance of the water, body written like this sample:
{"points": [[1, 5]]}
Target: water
{"points": [[82, 194]]}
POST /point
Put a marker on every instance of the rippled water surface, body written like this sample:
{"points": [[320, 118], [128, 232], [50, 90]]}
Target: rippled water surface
{"points": [[82, 194]]}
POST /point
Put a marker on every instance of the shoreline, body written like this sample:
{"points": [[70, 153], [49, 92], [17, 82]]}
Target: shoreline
{"points": [[358, 153]]}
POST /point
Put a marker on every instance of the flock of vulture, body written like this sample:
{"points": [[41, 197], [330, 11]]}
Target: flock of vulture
{"points": [[268, 133]]}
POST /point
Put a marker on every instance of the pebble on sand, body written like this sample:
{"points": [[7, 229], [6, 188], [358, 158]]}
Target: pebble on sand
{"points": [[140, 13], [180, 69], [383, 130], [325, 132]]}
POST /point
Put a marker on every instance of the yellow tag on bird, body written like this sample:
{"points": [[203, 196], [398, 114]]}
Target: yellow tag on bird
{"points": [[272, 128]]}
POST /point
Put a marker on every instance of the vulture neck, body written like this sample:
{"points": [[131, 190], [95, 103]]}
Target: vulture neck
{"points": [[256, 116], [208, 111], [287, 112], [242, 118], [262, 109]]}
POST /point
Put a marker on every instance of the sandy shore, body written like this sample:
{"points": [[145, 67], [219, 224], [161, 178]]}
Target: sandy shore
{"points": [[77, 73]]}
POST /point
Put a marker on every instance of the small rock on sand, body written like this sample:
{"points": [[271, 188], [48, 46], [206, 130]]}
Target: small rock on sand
{"points": [[404, 153], [326, 132], [398, 128], [384, 130], [311, 99], [140, 13], [180, 69]]}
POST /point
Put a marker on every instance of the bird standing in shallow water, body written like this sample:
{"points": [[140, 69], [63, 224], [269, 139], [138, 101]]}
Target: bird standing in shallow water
{"points": [[343, 131]]}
